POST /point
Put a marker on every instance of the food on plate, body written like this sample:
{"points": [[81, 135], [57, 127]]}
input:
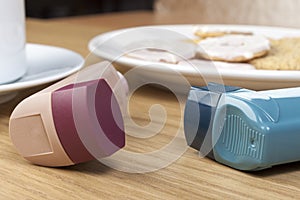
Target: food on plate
{"points": [[226, 49], [206, 32], [205, 64], [284, 55], [233, 48], [156, 55]]}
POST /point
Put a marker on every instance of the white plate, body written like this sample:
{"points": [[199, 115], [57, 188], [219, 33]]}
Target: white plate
{"points": [[44, 64], [112, 44]]}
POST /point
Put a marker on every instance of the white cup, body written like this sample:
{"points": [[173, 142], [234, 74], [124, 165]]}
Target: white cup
{"points": [[12, 40]]}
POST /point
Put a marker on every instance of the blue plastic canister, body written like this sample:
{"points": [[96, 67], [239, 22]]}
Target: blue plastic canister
{"points": [[244, 129]]}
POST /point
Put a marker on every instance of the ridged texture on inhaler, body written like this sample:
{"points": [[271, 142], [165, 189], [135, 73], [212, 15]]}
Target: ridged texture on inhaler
{"points": [[93, 98]]}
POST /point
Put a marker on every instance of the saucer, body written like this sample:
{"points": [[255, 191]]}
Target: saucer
{"points": [[45, 64]]}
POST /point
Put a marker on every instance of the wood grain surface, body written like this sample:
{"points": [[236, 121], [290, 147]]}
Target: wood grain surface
{"points": [[189, 177]]}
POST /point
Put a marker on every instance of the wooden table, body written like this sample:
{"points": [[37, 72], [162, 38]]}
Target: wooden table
{"points": [[189, 177]]}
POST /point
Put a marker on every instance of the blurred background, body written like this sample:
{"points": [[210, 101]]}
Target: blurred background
{"points": [[63, 8], [256, 12]]}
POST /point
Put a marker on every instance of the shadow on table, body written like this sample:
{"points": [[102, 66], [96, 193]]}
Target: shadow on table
{"points": [[92, 167], [278, 169]]}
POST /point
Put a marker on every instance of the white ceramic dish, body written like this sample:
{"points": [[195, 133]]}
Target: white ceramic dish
{"points": [[44, 64], [111, 45]]}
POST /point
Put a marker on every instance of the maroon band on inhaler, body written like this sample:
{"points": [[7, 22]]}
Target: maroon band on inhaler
{"points": [[72, 121]]}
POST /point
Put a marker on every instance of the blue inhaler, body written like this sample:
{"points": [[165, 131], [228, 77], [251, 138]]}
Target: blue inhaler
{"points": [[244, 129]]}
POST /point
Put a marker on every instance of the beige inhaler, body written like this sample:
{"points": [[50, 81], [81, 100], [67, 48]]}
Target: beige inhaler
{"points": [[75, 120]]}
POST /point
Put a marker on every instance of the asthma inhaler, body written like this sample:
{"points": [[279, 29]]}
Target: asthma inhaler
{"points": [[244, 129], [54, 126]]}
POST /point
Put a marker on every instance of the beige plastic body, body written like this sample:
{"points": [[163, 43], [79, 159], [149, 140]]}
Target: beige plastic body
{"points": [[31, 125]]}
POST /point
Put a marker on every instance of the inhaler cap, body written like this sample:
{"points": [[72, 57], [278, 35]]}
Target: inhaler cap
{"points": [[200, 112]]}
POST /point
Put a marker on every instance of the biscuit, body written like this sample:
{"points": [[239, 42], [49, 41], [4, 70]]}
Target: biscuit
{"points": [[158, 55], [233, 48], [206, 32], [284, 55], [154, 55]]}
